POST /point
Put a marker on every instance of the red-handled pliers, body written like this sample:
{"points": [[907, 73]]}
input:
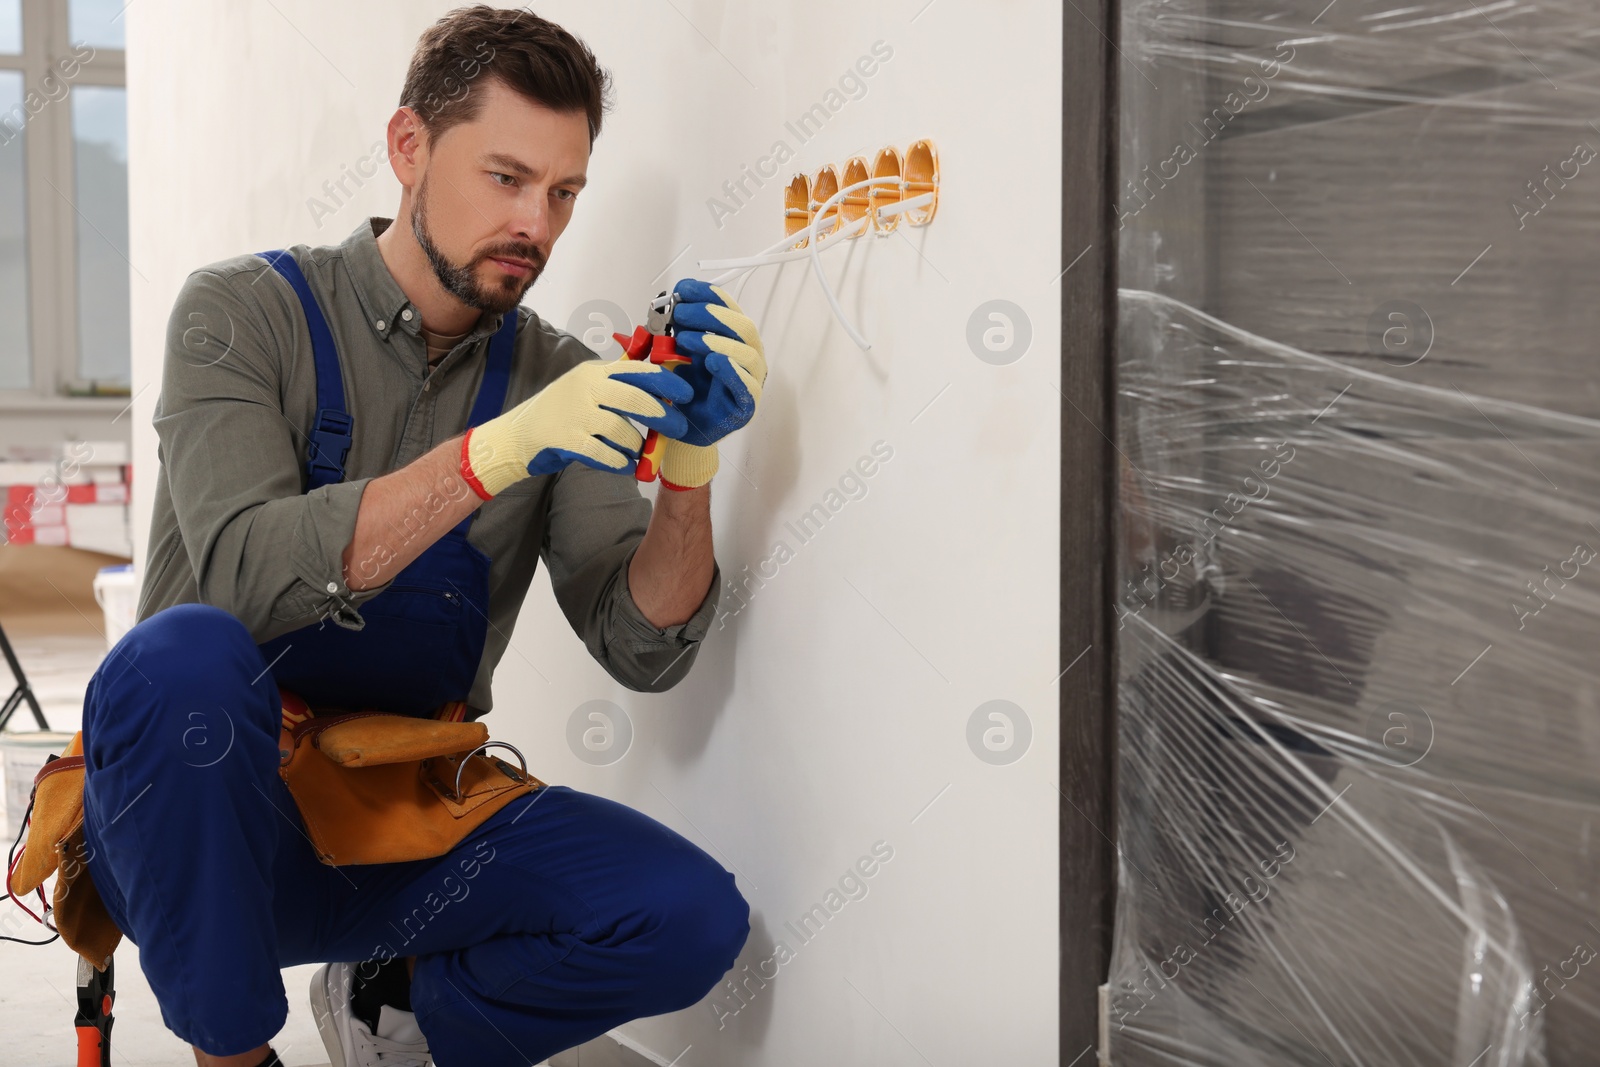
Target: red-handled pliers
{"points": [[654, 341]]}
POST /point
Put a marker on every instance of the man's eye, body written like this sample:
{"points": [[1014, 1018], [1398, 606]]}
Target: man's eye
{"points": [[507, 183], [567, 194]]}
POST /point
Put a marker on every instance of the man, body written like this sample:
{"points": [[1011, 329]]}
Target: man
{"points": [[323, 523]]}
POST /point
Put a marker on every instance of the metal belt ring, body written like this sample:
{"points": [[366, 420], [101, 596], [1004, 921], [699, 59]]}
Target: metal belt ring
{"points": [[480, 748]]}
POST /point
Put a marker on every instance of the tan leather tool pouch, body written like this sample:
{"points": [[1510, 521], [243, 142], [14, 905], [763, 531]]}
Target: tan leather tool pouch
{"points": [[379, 788], [55, 846], [371, 788]]}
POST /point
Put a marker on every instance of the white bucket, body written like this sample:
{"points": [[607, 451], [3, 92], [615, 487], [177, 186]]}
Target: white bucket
{"points": [[21, 756], [117, 593]]}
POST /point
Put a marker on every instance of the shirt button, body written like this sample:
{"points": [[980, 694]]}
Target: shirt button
{"points": [[379, 324], [333, 587], [406, 314]]}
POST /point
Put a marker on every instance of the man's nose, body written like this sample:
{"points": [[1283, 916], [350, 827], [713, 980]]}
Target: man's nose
{"points": [[531, 224]]}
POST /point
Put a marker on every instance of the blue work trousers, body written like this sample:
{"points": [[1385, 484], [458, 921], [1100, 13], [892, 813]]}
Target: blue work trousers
{"points": [[562, 916]]}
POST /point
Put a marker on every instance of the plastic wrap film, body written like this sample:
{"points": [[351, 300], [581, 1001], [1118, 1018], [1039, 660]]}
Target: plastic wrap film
{"points": [[1358, 769]]}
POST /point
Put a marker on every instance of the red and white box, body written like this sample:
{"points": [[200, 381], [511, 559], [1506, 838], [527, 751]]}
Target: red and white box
{"points": [[79, 500], [99, 528]]}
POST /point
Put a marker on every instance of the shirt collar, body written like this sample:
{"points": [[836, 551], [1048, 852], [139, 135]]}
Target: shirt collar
{"points": [[385, 304]]}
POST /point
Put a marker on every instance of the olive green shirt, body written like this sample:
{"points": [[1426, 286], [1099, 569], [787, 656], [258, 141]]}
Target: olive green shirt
{"points": [[234, 527]]}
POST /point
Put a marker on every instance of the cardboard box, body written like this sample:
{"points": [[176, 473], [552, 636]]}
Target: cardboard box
{"points": [[95, 453], [98, 528], [44, 535], [27, 474]]}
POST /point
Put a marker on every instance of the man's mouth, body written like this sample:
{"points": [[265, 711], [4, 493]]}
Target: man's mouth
{"points": [[518, 268]]}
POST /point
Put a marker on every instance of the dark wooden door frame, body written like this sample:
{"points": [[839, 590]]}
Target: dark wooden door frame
{"points": [[1087, 810]]}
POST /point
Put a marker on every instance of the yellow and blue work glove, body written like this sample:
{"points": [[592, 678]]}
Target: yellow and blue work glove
{"points": [[580, 417], [727, 368]]}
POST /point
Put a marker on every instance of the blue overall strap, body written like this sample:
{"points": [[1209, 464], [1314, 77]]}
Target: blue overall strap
{"points": [[496, 372], [331, 429], [491, 399]]}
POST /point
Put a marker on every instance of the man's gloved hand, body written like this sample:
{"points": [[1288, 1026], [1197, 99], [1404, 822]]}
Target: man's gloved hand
{"points": [[582, 416], [727, 370]]}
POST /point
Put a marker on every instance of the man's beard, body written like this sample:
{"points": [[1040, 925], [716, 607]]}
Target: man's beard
{"points": [[461, 281]]}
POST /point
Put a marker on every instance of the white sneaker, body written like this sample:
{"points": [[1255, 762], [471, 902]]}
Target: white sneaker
{"points": [[398, 1042]]}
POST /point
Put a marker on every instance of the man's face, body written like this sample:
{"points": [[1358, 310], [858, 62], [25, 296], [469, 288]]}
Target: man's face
{"points": [[495, 194]]}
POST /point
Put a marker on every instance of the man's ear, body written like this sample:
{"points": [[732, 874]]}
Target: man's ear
{"points": [[408, 145]]}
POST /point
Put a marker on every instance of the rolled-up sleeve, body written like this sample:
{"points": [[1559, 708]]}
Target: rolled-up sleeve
{"points": [[595, 523], [261, 548]]}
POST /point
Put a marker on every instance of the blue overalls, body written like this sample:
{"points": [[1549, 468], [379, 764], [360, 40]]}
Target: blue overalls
{"points": [[425, 634], [533, 935]]}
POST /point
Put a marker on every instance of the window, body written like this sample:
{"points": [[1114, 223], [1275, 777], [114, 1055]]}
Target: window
{"points": [[100, 177], [96, 22], [14, 369], [64, 265], [11, 26]]}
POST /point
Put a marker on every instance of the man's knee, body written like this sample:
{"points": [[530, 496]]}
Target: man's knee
{"points": [[704, 922], [185, 663], [187, 629], [183, 641]]}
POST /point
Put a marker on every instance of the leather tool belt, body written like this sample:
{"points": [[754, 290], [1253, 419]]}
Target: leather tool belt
{"points": [[371, 788]]}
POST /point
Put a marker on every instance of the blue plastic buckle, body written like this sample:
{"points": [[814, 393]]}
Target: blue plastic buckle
{"points": [[330, 444]]}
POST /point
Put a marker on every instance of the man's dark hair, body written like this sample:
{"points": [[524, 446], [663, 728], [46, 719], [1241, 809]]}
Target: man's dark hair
{"points": [[530, 55]]}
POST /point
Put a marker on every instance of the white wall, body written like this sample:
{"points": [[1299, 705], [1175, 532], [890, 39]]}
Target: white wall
{"points": [[828, 713]]}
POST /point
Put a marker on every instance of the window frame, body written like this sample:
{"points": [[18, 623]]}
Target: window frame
{"points": [[51, 219]]}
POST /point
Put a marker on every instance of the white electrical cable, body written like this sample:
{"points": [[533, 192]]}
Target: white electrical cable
{"points": [[816, 258], [769, 256], [740, 264], [906, 205], [782, 252]]}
